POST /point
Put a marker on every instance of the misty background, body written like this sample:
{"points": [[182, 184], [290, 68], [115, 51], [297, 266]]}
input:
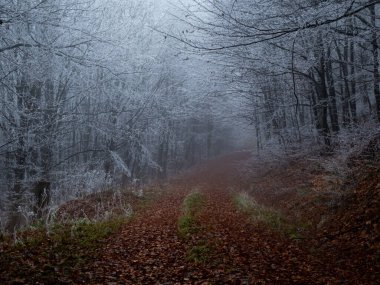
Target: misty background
{"points": [[105, 94]]}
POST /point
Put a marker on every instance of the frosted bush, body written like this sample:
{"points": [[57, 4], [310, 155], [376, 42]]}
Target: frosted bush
{"points": [[79, 183]]}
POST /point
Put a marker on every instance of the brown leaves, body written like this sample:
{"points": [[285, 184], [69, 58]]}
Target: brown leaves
{"points": [[232, 250]]}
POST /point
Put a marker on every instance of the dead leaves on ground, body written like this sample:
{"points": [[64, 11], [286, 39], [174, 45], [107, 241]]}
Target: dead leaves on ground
{"points": [[228, 248]]}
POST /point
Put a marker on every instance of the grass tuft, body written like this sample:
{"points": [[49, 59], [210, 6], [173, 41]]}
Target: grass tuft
{"points": [[199, 254], [261, 214], [191, 205], [186, 225]]}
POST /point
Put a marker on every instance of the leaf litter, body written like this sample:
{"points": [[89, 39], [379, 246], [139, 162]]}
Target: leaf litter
{"points": [[229, 248]]}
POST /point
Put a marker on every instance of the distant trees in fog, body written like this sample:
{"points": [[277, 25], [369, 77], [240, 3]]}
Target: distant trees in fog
{"points": [[306, 69], [90, 98]]}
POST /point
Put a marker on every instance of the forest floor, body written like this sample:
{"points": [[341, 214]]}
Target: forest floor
{"points": [[232, 220]]}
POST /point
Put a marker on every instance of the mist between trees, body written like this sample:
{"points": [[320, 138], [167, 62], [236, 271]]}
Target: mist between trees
{"points": [[307, 70], [92, 98], [104, 94]]}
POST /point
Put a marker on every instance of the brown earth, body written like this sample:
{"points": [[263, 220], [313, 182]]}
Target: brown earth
{"points": [[344, 249], [150, 251]]}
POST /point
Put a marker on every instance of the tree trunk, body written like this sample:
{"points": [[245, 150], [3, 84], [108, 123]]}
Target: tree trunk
{"points": [[16, 219], [332, 94], [375, 52], [352, 77], [323, 96], [345, 86]]}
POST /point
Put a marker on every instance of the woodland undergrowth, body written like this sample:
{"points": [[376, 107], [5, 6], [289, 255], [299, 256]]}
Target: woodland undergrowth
{"points": [[55, 247]]}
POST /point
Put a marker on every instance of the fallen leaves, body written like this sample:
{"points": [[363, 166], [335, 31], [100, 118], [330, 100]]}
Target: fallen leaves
{"points": [[228, 248]]}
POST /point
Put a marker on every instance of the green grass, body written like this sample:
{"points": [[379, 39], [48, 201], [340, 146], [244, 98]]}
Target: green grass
{"points": [[199, 254], [245, 203], [187, 224], [267, 216], [85, 233], [52, 253], [193, 202], [38, 255]]}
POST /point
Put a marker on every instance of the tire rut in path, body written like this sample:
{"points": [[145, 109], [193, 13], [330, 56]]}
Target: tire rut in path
{"points": [[145, 250], [149, 250]]}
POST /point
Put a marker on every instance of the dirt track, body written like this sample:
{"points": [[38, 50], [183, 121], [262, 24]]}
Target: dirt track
{"points": [[150, 251]]}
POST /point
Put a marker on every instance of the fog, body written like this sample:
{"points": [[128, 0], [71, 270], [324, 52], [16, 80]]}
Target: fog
{"points": [[99, 95]]}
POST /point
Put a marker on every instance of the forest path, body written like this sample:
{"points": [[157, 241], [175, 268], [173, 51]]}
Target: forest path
{"points": [[149, 249]]}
